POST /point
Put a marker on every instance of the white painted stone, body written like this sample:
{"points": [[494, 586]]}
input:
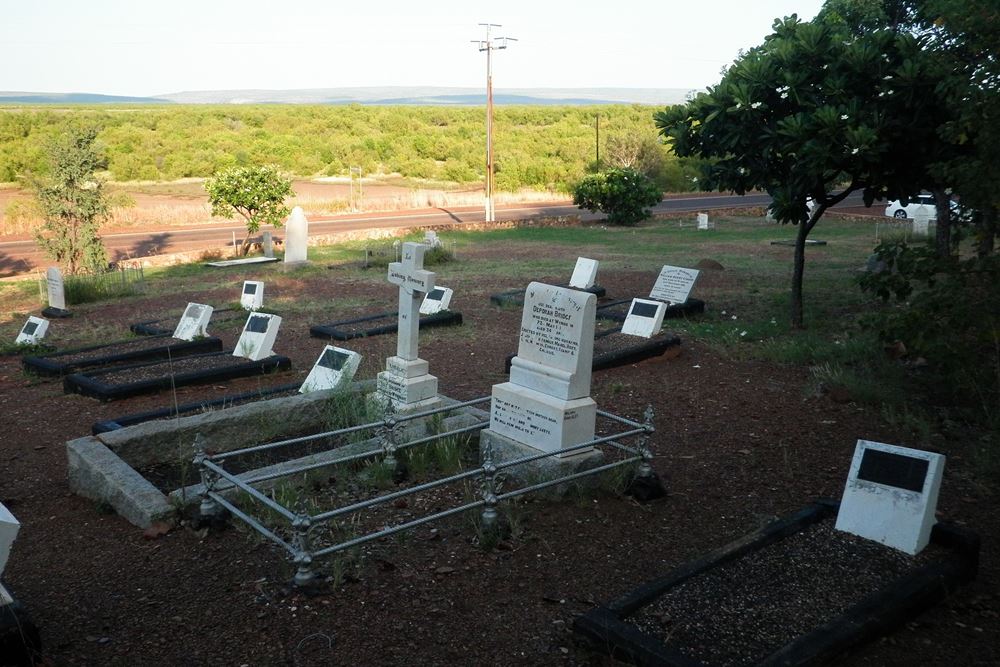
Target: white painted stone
{"points": [[674, 284], [584, 273], [8, 531], [252, 296], [296, 237], [921, 221], [644, 318], [267, 244], [334, 369], [55, 287], [541, 421], [431, 238], [703, 222], [32, 331], [257, 340], [891, 495], [194, 321], [437, 300]]}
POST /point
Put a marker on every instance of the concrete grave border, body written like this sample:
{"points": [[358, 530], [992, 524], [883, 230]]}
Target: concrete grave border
{"points": [[614, 312], [49, 364], [333, 330]]}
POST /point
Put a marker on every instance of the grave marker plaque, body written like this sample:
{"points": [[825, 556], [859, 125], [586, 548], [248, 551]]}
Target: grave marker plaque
{"points": [[252, 297], [437, 300], [584, 273], [267, 244], [644, 318], [32, 331], [334, 368], [257, 340], [55, 290], [891, 495], [674, 284], [703, 222], [194, 321]]}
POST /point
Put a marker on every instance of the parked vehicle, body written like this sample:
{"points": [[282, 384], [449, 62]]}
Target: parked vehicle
{"points": [[895, 209]]}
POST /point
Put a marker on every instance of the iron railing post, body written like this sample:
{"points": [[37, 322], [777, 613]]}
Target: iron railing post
{"points": [[489, 489], [304, 574], [209, 509], [645, 469]]}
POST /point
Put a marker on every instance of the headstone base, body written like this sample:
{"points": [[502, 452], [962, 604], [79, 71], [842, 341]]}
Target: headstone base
{"points": [[548, 423], [541, 470], [49, 311], [406, 391]]}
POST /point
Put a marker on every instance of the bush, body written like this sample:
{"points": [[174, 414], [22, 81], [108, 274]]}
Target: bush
{"points": [[623, 194]]}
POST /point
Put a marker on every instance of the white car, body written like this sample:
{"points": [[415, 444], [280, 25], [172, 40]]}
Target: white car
{"points": [[896, 210]]}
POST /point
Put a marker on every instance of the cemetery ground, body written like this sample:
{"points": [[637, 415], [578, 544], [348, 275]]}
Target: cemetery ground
{"points": [[752, 421]]}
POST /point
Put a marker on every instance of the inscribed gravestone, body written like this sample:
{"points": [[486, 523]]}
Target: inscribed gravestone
{"points": [[891, 495], [267, 243], [334, 368], [437, 300], [194, 321], [584, 273], [8, 531], [32, 331], [674, 284], [296, 237], [56, 288], [405, 381], [703, 221], [252, 297], [546, 404], [921, 221], [644, 318], [257, 340]]}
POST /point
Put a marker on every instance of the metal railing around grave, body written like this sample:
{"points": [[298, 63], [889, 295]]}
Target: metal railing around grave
{"points": [[489, 474]]}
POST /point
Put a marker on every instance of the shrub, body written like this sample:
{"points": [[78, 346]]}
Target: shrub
{"points": [[623, 194]]}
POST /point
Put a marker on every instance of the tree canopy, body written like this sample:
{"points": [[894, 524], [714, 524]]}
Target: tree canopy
{"points": [[256, 193], [623, 194]]}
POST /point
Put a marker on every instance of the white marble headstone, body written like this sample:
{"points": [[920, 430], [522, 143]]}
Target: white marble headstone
{"points": [[703, 221], [437, 300], [55, 287], [257, 340], [644, 318], [921, 221], [674, 284], [252, 297], [431, 238], [584, 273], [8, 531], [334, 368], [267, 244], [32, 331], [891, 495], [296, 237], [194, 321]]}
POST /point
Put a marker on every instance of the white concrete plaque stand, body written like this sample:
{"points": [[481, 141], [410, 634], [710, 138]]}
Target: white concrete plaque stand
{"points": [[8, 531], [252, 296], [296, 237], [437, 300], [584, 273], [645, 318], [257, 340], [32, 331], [405, 382], [891, 495], [334, 368], [194, 321]]}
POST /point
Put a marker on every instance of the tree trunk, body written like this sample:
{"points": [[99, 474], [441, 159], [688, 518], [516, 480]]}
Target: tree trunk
{"points": [[798, 270], [987, 233], [942, 240]]}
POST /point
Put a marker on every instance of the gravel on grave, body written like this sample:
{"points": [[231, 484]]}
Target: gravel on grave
{"points": [[741, 612], [618, 342], [121, 347], [191, 364]]}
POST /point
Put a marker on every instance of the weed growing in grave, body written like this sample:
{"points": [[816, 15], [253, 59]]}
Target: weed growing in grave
{"points": [[379, 474], [33, 349], [347, 408], [905, 419]]}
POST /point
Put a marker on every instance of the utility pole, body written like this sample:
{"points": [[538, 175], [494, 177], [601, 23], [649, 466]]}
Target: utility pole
{"points": [[597, 141], [489, 45]]}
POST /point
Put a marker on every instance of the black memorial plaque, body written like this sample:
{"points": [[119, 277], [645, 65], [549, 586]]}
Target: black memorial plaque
{"points": [[249, 288], [333, 359], [192, 312], [258, 324], [29, 328], [436, 294], [643, 309], [902, 472]]}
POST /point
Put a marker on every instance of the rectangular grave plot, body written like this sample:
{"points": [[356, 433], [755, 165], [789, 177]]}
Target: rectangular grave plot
{"points": [[96, 356], [166, 325], [610, 631], [217, 367], [516, 297], [617, 311], [378, 325], [613, 348]]}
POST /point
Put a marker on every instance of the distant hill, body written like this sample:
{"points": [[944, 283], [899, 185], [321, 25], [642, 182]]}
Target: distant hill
{"points": [[75, 98]]}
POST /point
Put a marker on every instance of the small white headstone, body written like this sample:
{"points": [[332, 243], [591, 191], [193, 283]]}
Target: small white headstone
{"points": [[584, 274], [257, 340], [703, 221], [334, 368], [8, 531], [296, 236], [56, 288], [921, 221], [673, 284], [32, 331], [437, 300], [431, 238], [194, 321], [252, 297], [644, 318], [267, 243], [891, 495]]}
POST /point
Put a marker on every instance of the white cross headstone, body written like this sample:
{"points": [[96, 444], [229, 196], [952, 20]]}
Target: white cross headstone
{"points": [[644, 318], [584, 273], [334, 368], [431, 238], [674, 284], [546, 404], [437, 300], [296, 237], [257, 340], [32, 331], [703, 221], [194, 321], [891, 495], [8, 531], [252, 297], [56, 288], [405, 381], [267, 244]]}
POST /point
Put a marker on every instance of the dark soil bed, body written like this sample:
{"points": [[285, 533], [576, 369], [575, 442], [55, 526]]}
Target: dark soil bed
{"points": [[378, 325], [166, 325], [128, 351]]}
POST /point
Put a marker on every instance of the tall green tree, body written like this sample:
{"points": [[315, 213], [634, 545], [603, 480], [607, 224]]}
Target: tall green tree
{"points": [[624, 195], [256, 193], [73, 202], [813, 113]]}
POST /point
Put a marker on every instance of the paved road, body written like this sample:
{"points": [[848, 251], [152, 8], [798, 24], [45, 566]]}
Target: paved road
{"points": [[18, 257]]}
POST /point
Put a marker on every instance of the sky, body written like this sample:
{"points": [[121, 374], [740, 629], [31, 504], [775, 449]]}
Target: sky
{"points": [[137, 47]]}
